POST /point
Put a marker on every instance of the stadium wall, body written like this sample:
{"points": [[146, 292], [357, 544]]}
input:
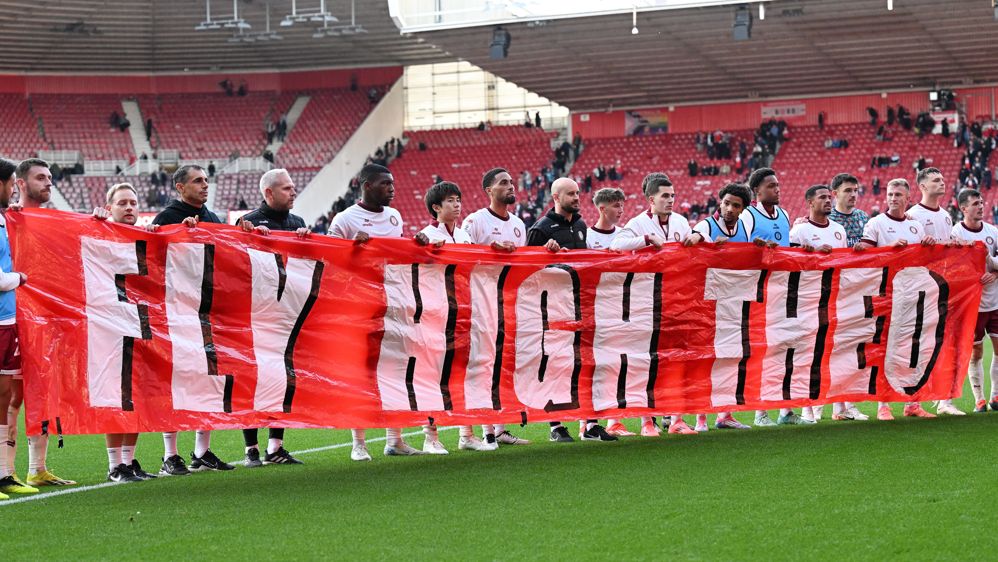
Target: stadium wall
{"points": [[800, 111], [190, 83]]}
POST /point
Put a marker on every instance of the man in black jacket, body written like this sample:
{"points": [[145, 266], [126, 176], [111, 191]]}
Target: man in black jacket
{"points": [[274, 213], [191, 183], [562, 228]]}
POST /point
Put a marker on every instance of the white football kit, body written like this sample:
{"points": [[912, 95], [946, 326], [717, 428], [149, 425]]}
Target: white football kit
{"points": [[436, 232], [597, 239], [816, 235], [485, 227], [632, 237], [384, 224]]}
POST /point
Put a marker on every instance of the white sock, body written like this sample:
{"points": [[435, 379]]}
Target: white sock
{"points": [[722, 416], [645, 419], [466, 431], [499, 427], [251, 447], [588, 425], [273, 445], [488, 429], [202, 442], [677, 419], [611, 421], [430, 431], [169, 445], [38, 447], [359, 436], [785, 411], [761, 414], [113, 458], [583, 425], [976, 376], [882, 404], [994, 377], [127, 454], [393, 436], [4, 451], [837, 408]]}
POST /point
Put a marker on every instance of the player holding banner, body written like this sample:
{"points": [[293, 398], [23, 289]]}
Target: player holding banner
{"points": [[895, 229], [655, 227], [974, 229], [372, 217]]}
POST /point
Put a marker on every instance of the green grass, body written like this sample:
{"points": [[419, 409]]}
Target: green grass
{"points": [[839, 490]]}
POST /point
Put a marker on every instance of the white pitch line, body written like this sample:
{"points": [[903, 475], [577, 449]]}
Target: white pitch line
{"points": [[67, 491]]}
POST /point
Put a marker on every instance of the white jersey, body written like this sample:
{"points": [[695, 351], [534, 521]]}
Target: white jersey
{"points": [[936, 222], [885, 230], [384, 224], [485, 227], [632, 237], [816, 235], [437, 232], [988, 235], [598, 239]]}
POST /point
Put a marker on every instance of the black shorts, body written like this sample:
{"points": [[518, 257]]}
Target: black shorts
{"points": [[987, 324]]}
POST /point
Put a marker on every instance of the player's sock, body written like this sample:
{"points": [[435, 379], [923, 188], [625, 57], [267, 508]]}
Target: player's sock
{"points": [[501, 427], [393, 436], [882, 404], [202, 442], [837, 408], [611, 421], [11, 446], [127, 454], [274, 445], [4, 451], [785, 411], [430, 431], [555, 424], [466, 431], [169, 444], [488, 429], [38, 447], [251, 437], [676, 418], [644, 420], [11, 437], [976, 376], [359, 436], [113, 458], [994, 377], [591, 424]]}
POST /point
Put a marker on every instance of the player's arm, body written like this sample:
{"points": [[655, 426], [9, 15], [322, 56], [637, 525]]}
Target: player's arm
{"points": [[694, 238], [101, 214], [630, 240], [12, 280]]}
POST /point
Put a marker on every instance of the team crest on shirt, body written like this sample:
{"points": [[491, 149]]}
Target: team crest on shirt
{"points": [[991, 241], [778, 235], [676, 236], [949, 221], [913, 229], [394, 221], [838, 236], [516, 231]]}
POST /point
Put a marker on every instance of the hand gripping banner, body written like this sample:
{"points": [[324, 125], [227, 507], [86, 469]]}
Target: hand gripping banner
{"points": [[124, 330]]}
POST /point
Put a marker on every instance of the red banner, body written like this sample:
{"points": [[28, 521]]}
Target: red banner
{"points": [[124, 330]]}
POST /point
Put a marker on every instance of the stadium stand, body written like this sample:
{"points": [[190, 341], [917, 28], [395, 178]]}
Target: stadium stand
{"points": [[82, 122], [20, 138], [462, 156], [329, 119]]}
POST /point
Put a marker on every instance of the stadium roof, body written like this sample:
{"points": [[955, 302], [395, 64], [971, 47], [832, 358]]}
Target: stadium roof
{"points": [[688, 55], [146, 36]]}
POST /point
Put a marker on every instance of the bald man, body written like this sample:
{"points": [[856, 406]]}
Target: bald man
{"points": [[562, 228]]}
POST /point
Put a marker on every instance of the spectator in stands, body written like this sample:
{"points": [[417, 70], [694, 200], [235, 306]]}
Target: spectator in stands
{"points": [[904, 117], [836, 143], [587, 183], [576, 146], [527, 121], [890, 116], [154, 179], [613, 174], [481, 125], [243, 88], [994, 213], [282, 127], [163, 178], [268, 156], [115, 120], [227, 86], [919, 164], [124, 124], [242, 206], [876, 186], [986, 177], [211, 169], [945, 128], [693, 168], [874, 116], [537, 119], [372, 95], [821, 120], [270, 129], [149, 129]]}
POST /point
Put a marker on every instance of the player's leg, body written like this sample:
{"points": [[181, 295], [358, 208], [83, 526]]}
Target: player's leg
{"points": [[358, 451], [615, 427], [762, 419], [648, 427], [276, 453], [128, 443], [251, 440], [8, 485], [396, 446], [593, 431], [431, 440], [679, 426], [202, 458], [915, 410], [117, 471], [727, 421], [173, 463], [559, 434], [469, 442], [994, 367], [884, 412], [789, 417]]}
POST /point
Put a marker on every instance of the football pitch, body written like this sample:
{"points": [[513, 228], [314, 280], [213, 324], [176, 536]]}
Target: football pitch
{"points": [[911, 488]]}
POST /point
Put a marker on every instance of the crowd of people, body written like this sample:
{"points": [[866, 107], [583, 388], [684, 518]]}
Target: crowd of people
{"points": [[741, 212]]}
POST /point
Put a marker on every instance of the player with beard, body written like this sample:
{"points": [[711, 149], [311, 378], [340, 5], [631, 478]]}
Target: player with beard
{"points": [[495, 226], [939, 225], [655, 227], [274, 213], [725, 227], [122, 207], [562, 228], [34, 183], [895, 229], [189, 208], [10, 355], [818, 233], [846, 190], [372, 217], [974, 229]]}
